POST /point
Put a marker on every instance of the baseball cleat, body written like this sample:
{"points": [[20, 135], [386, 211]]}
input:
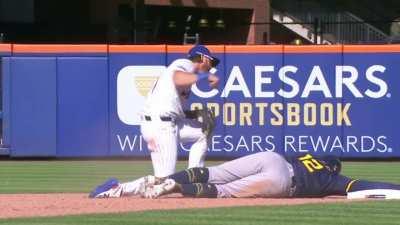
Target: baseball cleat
{"points": [[158, 190], [109, 189], [145, 183], [150, 180]]}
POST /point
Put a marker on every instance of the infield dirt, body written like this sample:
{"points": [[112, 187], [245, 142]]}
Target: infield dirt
{"points": [[38, 205]]}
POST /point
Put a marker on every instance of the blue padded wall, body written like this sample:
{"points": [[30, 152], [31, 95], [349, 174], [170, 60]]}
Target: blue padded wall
{"points": [[82, 106], [33, 106]]}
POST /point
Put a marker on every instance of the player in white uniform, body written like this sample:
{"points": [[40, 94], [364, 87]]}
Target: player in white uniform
{"points": [[164, 124]]}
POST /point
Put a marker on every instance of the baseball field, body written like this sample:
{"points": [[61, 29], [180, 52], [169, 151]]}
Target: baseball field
{"points": [[54, 192]]}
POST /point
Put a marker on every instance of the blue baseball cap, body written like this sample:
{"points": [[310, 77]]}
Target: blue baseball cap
{"points": [[203, 50]]}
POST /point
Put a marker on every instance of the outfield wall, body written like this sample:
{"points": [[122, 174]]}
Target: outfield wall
{"points": [[84, 100]]}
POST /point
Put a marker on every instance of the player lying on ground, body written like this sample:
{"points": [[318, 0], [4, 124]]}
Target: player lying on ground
{"points": [[165, 123], [265, 174]]}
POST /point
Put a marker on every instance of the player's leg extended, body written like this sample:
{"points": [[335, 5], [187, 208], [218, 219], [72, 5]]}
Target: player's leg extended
{"points": [[112, 188], [190, 132], [138, 186], [272, 177], [258, 185], [261, 174], [246, 166], [231, 170], [162, 140], [198, 190]]}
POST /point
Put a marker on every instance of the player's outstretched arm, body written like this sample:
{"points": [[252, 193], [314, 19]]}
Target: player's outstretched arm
{"points": [[358, 189], [184, 79]]}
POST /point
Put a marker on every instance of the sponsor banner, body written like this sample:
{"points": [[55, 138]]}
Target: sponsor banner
{"points": [[375, 107], [131, 77], [340, 100], [287, 101]]}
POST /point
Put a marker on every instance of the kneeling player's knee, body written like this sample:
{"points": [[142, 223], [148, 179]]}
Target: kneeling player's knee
{"points": [[202, 139]]}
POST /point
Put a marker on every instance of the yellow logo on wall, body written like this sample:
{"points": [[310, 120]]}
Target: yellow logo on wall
{"points": [[144, 84], [133, 85]]}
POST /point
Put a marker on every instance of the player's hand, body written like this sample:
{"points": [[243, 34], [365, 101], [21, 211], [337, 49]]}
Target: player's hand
{"points": [[213, 80]]}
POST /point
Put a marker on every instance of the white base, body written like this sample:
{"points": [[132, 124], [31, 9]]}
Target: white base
{"points": [[374, 194]]}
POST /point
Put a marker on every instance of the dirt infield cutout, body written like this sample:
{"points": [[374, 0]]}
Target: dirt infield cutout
{"points": [[38, 205]]}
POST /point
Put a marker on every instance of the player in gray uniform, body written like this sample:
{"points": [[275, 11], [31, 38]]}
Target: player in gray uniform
{"points": [[264, 174]]}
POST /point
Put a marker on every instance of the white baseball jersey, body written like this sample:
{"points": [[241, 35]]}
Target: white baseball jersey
{"points": [[165, 99]]}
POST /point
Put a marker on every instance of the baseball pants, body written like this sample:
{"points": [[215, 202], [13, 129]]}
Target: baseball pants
{"points": [[163, 137], [264, 174]]}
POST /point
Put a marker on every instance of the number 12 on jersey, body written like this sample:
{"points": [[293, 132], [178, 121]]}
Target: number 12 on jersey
{"points": [[310, 163]]}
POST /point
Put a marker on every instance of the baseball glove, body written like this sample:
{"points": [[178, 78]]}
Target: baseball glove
{"points": [[206, 117]]}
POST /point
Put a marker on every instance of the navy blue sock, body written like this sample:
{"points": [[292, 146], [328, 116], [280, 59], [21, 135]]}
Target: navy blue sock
{"points": [[199, 190], [360, 185], [193, 175]]}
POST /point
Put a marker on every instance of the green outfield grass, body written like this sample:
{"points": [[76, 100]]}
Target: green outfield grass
{"points": [[364, 213], [82, 176], [68, 176]]}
